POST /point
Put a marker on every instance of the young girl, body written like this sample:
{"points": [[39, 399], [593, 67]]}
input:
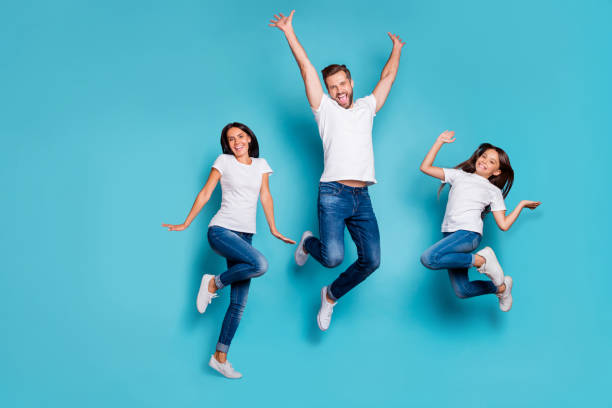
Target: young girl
{"points": [[478, 185], [243, 177]]}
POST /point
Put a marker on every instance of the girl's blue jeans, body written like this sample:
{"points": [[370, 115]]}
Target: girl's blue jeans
{"points": [[454, 252]]}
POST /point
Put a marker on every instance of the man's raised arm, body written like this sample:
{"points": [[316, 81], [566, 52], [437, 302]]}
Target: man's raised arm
{"points": [[314, 90], [389, 72]]}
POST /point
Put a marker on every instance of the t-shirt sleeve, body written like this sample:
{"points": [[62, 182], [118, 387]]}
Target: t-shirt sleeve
{"points": [[450, 175], [264, 167], [370, 101], [325, 102], [497, 201], [219, 164]]}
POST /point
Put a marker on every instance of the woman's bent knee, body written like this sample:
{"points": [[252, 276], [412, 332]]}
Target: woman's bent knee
{"points": [[260, 267]]}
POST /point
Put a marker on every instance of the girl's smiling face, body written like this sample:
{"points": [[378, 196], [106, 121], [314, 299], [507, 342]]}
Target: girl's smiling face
{"points": [[487, 164], [238, 142]]}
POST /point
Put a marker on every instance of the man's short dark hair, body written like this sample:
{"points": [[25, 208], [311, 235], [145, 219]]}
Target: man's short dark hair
{"points": [[335, 68]]}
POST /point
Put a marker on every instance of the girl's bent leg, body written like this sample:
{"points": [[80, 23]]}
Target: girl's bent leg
{"points": [[238, 298], [453, 251], [464, 288]]}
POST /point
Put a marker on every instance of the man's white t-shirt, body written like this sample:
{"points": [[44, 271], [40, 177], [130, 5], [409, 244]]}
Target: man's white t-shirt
{"points": [[240, 185], [347, 139], [469, 195]]}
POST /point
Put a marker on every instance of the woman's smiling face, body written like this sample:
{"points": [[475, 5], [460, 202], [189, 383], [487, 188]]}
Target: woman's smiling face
{"points": [[238, 141]]}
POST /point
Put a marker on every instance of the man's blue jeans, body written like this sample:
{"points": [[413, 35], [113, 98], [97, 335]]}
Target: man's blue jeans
{"points": [[243, 263], [454, 252], [340, 206]]}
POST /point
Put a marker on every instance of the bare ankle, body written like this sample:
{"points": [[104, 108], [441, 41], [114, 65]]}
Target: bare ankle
{"points": [[212, 286], [220, 357], [479, 261], [501, 288]]}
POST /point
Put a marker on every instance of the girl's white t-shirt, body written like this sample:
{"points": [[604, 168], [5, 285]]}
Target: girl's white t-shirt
{"points": [[347, 139], [469, 195], [240, 185]]}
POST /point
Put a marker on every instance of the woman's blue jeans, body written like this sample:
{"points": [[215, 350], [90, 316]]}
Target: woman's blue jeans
{"points": [[454, 252], [340, 206], [243, 263]]}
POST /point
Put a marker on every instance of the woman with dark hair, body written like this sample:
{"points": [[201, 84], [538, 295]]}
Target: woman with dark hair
{"points": [[478, 185], [244, 177]]}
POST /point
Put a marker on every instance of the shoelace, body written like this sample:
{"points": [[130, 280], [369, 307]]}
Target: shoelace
{"points": [[211, 297]]}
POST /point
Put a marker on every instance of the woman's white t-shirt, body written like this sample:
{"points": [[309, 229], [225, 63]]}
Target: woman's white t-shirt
{"points": [[240, 185], [347, 139], [469, 195]]}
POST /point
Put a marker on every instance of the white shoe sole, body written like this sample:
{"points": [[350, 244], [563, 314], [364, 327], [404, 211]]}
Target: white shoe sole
{"points": [[300, 250], [201, 303], [509, 285], [323, 301]]}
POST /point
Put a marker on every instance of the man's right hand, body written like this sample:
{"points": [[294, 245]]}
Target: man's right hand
{"points": [[283, 23], [314, 90]]}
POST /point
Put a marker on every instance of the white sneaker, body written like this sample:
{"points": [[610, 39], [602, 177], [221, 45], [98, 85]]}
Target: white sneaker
{"points": [[204, 296], [300, 255], [505, 298], [225, 369], [325, 312], [491, 267]]}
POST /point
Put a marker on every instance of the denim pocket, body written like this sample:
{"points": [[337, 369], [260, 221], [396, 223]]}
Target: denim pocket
{"points": [[329, 188]]}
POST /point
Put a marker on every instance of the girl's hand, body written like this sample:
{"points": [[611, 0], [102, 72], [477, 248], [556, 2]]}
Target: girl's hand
{"points": [[172, 227], [283, 23], [532, 205], [448, 136], [282, 237]]}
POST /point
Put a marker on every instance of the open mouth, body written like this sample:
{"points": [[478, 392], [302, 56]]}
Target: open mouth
{"points": [[342, 99]]}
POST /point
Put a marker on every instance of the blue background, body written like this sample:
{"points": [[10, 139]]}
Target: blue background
{"points": [[111, 115]]}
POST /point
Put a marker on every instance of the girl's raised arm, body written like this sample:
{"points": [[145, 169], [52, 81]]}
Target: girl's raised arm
{"points": [[504, 222], [268, 206], [427, 166], [201, 199]]}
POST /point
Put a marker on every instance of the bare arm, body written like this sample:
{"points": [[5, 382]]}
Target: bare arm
{"points": [[268, 206], [314, 90], [201, 199], [389, 72], [427, 166], [504, 222]]}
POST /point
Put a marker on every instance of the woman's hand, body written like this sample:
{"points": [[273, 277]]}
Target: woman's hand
{"points": [[532, 205], [448, 136], [283, 23], [172, 227], [282, 237]]}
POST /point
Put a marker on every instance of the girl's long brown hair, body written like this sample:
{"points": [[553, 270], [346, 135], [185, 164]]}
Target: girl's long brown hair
{"points": [[503, 181]]}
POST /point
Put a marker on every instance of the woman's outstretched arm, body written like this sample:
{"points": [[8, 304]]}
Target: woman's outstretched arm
{"points": [[201, 199], [268, 206]]}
